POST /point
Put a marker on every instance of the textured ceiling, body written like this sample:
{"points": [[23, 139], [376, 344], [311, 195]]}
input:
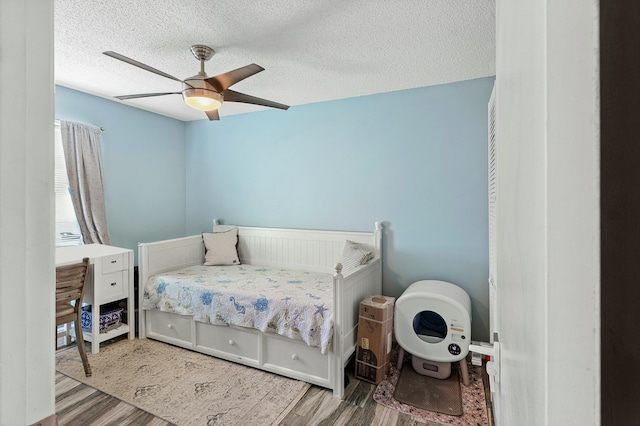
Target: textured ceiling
{"points": [[312, 51]]}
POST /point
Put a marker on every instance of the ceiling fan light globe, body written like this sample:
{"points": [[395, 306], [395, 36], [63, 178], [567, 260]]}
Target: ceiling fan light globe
{"points": [[202, 99], [202, 103]]}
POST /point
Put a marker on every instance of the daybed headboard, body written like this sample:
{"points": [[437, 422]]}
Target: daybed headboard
{"points": [[311, 250]]}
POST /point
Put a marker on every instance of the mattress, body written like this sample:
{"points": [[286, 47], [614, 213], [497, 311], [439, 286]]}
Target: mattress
{"points": [[294, 304]]}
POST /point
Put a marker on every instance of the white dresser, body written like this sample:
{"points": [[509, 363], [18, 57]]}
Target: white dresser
{"points": [[112, 280]]}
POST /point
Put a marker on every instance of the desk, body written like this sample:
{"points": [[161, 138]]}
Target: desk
{"points": [[111, 280]]}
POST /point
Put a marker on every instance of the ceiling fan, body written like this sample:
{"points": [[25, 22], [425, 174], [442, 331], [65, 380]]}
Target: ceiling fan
{"points": [[202, 92]]}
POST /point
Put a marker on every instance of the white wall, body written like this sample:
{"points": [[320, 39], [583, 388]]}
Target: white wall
{"points": [[548, 212], [26, 217]]}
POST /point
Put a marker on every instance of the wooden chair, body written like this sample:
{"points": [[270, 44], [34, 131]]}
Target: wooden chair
{"points": [[71, 281]]}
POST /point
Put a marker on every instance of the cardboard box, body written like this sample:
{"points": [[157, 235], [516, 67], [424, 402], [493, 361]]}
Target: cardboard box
{"points": [[370, 373], [374, 341], [375, 333], [377, 308]]}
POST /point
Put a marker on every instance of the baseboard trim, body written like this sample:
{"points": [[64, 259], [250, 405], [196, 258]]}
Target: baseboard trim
{"points": [[52, 420]]}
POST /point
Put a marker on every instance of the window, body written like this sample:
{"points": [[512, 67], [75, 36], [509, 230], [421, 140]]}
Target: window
{"points": [[67, 228]]}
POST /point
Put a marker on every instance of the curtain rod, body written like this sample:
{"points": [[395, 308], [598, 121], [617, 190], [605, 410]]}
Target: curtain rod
{"points": [[57, 121]]}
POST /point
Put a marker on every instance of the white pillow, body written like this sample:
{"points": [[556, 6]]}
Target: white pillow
{"points": [[221, 248], [354, 255]]}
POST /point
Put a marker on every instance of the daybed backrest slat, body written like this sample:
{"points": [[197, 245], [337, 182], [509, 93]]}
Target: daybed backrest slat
{"points": [[297, 249]]}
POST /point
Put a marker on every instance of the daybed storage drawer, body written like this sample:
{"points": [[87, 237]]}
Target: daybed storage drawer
{"points": [[294, 355], [173, 326], [229, 339]]}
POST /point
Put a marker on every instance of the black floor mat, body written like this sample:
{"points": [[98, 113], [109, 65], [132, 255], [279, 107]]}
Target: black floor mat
{"points": [[429, 393]]}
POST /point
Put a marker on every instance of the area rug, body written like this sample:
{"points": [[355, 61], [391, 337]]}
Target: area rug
{"points": [[185, 387], [474, 406]]}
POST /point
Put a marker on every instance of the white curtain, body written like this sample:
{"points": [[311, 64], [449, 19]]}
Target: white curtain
{"points": [[83, 154]]}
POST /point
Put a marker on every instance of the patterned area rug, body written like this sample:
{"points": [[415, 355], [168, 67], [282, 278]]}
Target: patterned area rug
{"points": [[185, 387], [474, 406]]}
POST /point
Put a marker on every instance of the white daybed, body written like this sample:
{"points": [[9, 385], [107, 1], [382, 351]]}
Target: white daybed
{"points": [[297, 249]]}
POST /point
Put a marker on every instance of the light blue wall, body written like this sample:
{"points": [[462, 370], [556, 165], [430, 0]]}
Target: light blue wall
{"points": [[144, 167], [415, 159]]}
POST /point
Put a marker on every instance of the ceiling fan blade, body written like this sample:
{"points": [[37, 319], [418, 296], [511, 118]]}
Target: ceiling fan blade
{"points": [[139, 65], [213, 114], [228, 79], [233, 96], [146, 95]]}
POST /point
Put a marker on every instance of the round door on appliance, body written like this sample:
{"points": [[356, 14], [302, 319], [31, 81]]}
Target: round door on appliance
{"points": [[430, 326]]}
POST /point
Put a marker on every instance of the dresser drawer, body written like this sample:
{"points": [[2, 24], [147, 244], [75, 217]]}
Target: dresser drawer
{"points": [[113, 286], [115, 262], [235, 341], [294, 355], [172, 326]]}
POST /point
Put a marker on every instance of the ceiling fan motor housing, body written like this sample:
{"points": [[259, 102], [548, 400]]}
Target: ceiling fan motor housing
{"points": [[196, 89]]}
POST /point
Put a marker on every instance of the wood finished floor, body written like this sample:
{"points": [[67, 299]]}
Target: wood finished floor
{"points": [[80, 405]]}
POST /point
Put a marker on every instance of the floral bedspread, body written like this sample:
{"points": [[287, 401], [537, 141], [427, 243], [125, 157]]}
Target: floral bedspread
{"points": [[295, 304]]}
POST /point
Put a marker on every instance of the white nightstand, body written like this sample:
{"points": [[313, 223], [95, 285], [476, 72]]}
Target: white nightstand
{"points": [[112, 280]]}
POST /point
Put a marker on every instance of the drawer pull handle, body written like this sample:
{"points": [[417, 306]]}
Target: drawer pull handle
{"points": [[294, 357], [114, 261], [112, 284], [231, 342], [170, 326]]}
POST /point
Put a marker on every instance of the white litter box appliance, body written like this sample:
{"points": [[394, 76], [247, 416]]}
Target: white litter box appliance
{"points": [[433, 323]]}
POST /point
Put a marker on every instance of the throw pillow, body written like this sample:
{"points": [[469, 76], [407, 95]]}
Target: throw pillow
{"points": [[354, 255], [221, 248]]}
